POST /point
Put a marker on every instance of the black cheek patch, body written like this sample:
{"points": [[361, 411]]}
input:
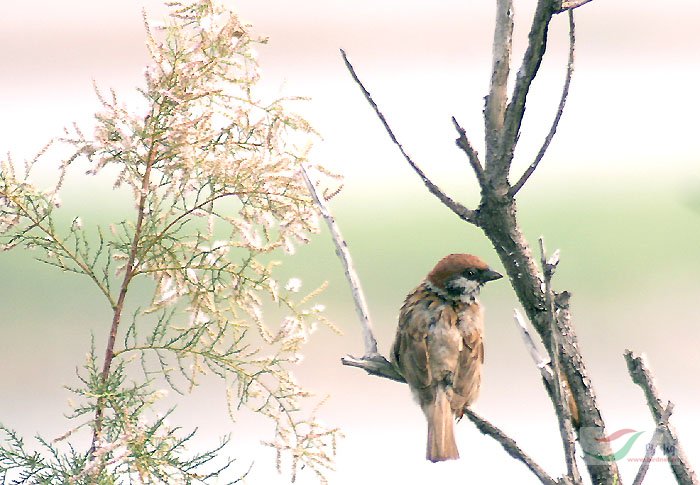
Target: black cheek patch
{"points": [[454, 290]]}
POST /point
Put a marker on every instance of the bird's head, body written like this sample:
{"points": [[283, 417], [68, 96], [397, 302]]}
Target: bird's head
{"points": [[460, 277]]}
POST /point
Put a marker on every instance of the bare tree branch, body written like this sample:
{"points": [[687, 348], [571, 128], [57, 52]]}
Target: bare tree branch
{"points": [[495, 109], [560, 110], [651, 447], [561, 401], [463, 143], [509, 445], [537, 44], [571, 5], [462, 211], [376, 365], [341, 249], [542, 363], [641, 375]]}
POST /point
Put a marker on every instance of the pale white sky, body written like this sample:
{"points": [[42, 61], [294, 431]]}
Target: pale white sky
{"points": [[631, 110]]}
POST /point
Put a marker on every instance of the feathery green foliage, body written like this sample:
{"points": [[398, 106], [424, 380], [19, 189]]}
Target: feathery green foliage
{"points": [[214, 174]]}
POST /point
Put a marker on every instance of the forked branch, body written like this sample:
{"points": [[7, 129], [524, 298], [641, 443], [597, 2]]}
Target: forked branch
{"points": [[536, 47], [677, 459], [656, 440], [560, 110]]}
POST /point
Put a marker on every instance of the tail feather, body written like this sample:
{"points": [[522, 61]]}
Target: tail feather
{"points": [[441, 439]]}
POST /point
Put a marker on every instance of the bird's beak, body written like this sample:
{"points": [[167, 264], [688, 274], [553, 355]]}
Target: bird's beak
{"points": [[490, 275]]}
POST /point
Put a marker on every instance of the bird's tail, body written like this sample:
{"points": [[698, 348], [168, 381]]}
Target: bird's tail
{"points": [[441, 438]]}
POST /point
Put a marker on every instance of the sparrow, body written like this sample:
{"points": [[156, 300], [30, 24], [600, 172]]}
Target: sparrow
{"points": [[439, 346]]}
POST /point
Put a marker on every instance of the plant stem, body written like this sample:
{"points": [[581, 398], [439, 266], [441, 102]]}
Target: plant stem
{"points": [[128, 275]]}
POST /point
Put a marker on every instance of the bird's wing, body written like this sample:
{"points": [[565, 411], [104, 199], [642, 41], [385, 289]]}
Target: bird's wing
{"points": [[468, 376], [474, 345], [410, 350]]}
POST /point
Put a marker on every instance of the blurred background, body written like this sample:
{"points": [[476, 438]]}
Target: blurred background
{"points": [[618, 193]]}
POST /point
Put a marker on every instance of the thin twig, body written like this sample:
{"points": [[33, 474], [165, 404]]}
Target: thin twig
{"points": [[549, 265], [651, 447], [472, 155], [560, 110], [509, 445], [571, 5], [341, 249], [677, 459], [462, 211], [542, 363]]}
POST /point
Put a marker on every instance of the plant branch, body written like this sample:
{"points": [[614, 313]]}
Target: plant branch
{"points": [[341, 249], [509, 445], [375, 365], [677, 459], [128, 274], [651, 447], [542, 363], [569, 6], [48, 232], [537, 45], [560, 394], [461, 211], [560, 110], [495, 109], [463, 143]]}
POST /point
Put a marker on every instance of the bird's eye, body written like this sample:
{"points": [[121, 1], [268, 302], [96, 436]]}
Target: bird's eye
{"points": [[470, 273]]}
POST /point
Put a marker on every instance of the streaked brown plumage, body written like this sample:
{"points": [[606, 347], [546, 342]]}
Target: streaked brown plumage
{"points": [[439, 346]]}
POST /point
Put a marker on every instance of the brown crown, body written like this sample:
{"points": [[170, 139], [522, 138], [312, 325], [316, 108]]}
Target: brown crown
{"points": [[452, 264]]}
